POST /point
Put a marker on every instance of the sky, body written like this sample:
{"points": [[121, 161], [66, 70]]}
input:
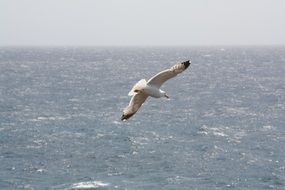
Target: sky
{"points": [[141, 22]]}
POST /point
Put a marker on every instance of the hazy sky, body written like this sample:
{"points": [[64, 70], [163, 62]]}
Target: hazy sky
{"points": [[142, 22]]}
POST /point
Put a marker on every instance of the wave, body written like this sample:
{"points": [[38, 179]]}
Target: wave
{"points": [[89, 185]]}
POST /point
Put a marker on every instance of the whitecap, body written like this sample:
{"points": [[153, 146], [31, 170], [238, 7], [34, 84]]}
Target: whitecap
{"points": [[51, 118], [99, 135], [117, 122], [219, 134], [24, 66], [89, 185], [213, 131], [267, 127], [40, 170], [42, 118], [175, 179], [140, 141], [73, 100]]}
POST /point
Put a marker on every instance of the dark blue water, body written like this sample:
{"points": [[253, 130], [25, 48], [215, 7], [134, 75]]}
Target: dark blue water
{"points": [[223, 128]]}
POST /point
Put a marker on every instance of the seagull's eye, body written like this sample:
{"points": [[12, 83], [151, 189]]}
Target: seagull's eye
{"points": [[136, 90]]}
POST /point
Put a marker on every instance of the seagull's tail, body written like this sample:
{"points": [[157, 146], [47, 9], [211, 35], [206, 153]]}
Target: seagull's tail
{"points": [[138, 87]]}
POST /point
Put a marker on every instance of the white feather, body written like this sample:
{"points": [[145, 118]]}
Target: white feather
{"points": [[138, 87]]}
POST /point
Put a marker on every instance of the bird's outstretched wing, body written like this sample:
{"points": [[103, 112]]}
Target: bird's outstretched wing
{"points": [[158, 79], [137, 100]]}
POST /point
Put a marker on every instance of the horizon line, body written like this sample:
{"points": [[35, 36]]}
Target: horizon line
{"points": [[148, 46]]}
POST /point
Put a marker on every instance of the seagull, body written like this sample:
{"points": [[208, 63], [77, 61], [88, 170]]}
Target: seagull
{"points": [[143, 89]]}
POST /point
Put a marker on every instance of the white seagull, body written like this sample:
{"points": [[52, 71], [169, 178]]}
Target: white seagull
{"points": [[142, 89]]}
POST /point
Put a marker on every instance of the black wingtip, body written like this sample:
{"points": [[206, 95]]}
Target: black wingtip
{"points": [[186, 64], [126, 117]]}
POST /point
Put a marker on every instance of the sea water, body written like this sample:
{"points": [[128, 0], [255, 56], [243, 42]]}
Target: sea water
{"points": [[222, 128]]}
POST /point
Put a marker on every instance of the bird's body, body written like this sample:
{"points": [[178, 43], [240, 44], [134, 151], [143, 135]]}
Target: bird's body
{"points": [[142, 89], [153, 91]]}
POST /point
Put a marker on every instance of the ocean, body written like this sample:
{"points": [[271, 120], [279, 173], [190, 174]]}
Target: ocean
{"points": [[222, 128]]}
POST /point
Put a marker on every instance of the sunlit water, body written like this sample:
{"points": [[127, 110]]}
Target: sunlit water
{"points": [[223, 128]]}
